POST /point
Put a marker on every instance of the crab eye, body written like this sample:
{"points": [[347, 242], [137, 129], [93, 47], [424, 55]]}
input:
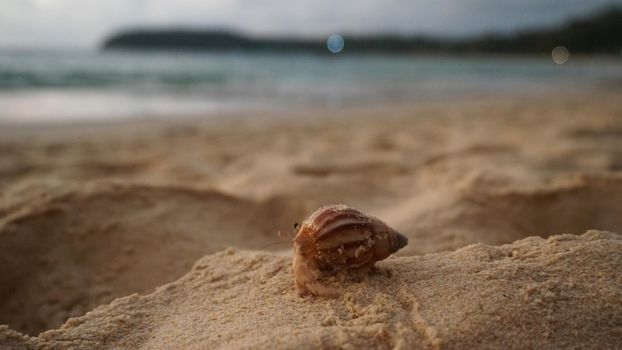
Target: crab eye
{"points": [[296, 225]]}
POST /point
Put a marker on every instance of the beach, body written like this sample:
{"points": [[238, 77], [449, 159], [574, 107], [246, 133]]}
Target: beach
{"points": [[161, 233]]}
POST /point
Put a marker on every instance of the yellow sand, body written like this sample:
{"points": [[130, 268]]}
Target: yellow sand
{"points": [[90, 215]]}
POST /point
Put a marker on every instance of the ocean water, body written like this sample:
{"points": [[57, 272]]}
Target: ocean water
{"points": [[87, 85]]}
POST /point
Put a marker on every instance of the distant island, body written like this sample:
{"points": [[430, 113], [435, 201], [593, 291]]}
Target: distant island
{"points": [[599, 33]]}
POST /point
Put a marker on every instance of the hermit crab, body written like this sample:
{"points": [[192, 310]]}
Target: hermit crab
{"points": [[336, 238]]}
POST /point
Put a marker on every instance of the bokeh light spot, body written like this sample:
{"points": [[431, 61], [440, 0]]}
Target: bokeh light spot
{"points": [[560, 55], [335, 43]]}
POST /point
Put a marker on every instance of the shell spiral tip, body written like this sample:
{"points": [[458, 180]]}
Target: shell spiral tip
{"points": [[401, 241]]}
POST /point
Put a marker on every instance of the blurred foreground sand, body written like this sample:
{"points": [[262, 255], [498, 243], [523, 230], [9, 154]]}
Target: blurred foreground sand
{"points": [[89, 214]]}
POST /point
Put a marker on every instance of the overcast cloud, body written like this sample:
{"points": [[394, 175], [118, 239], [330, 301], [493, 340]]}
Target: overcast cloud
{"points": [[49, 23]]}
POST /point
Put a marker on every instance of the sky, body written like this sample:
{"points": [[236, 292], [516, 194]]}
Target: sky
{"points": [[85, 23]]}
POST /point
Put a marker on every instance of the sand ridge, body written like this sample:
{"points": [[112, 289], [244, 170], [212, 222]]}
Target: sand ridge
{"points": [[517, 295]]}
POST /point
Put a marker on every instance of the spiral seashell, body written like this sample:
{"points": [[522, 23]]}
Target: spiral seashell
{"points": [[337, 237]]}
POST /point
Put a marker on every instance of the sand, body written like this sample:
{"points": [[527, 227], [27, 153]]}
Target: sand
{"points": [[163, 234]]}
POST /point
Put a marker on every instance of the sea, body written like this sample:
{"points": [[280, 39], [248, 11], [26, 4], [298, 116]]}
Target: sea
{"points": [[85, 85]]}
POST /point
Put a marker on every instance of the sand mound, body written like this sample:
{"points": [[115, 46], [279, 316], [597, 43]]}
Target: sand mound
{"points": [[571, 205], [85, 248], [559, 292], [481, 214]]}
